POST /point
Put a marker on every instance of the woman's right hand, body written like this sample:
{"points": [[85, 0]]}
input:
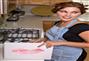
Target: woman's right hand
{"points": [[48, 44]]}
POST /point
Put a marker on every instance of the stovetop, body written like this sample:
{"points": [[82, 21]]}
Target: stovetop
{"points": [[20, 35]]}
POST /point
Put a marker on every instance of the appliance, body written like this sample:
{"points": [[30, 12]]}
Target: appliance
{"points": [[20, 34]]}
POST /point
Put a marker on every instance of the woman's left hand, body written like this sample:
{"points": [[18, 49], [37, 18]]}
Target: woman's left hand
{"points": [[49, 44]]}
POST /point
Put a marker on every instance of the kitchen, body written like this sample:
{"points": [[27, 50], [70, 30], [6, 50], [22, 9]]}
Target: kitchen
{"points": [[30, 20]]}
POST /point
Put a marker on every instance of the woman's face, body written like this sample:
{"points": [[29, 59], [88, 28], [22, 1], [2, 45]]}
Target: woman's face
{"points": [[68, 13]]}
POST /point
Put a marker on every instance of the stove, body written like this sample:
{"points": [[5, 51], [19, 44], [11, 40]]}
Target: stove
{"points": [[20, 35]]}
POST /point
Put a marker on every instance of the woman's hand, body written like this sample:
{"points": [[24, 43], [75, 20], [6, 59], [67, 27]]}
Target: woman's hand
{"points": [[53, 43], [49, 44]]}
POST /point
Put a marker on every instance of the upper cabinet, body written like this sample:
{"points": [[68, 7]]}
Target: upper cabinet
{"points": [[23, 2], [58, 1], [11, 4], [38, 2], [15, 3], [41, 2], [26, 2]]}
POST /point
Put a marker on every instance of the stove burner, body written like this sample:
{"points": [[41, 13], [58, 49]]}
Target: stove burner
{"points": [[21, 35]]}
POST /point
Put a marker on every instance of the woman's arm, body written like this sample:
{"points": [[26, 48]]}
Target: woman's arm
{"points": [[84, 35]]}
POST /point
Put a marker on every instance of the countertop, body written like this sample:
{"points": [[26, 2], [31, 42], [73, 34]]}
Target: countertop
{"points": [[28, 21]]}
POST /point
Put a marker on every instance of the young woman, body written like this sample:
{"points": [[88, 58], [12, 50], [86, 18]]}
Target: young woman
{"points": [[68, 36]]}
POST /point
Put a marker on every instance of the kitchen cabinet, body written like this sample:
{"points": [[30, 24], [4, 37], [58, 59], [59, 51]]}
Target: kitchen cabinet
{"points": [[26, 2], [47, 25], [11, 5], [23, 2], [40, 2], [58, 1], [47, 2], [87, 50]]}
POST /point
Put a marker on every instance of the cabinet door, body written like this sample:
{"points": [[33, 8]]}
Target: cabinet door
{"points": [[47, 24], [11, 5], [20, 1], [23, 2], [58, 1], [42, 2], [26, 1]]}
